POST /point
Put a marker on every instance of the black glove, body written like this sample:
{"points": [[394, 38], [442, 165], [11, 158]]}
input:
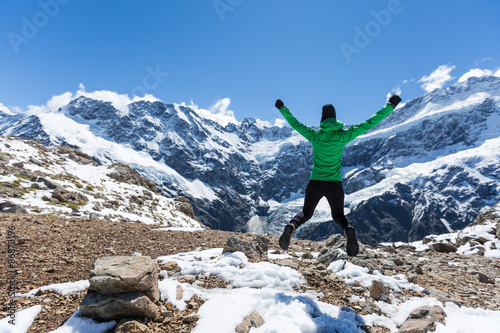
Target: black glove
{"points": [[394, 100], [279, 104]]}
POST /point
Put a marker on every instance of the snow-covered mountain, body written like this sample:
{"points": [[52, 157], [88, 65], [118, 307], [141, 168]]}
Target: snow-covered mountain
{"points": [[432, 166]]}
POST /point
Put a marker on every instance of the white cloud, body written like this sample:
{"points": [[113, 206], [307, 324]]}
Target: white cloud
{"points": [[280, 122], [437, 78], [476, 72], [119, 101], [478, 62], [396, 91], [219, 112], [5, 109]]}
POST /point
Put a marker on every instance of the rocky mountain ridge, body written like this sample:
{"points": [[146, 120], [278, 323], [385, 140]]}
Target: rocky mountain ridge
{"points": [[430, 167]]}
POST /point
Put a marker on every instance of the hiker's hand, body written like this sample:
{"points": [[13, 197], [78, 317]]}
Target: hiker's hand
{"points": [[279, 104], [394, 100]]}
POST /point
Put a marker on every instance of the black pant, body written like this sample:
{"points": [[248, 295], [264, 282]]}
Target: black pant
{"points": [[317, 189]]}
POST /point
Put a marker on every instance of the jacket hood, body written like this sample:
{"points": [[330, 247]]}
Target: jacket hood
{"points": [[331, 124]]}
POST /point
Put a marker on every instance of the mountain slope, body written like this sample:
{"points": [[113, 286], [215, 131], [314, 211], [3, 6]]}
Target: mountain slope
{"points": [[62, 181]]}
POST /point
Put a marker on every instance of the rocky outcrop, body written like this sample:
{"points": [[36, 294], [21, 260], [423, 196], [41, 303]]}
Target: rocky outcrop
{"points": [[124, 173], [184, 205], [77, 155], [122, 287], [63, 195]]}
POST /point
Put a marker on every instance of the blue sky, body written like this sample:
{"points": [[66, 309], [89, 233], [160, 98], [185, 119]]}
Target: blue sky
{"points": [[350, 53]]}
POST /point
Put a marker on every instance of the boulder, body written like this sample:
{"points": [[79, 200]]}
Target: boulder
{"points": [[443, 247], [15, 209], [332, 250], [172, 267], [130, 326], [379, 292], [120, 274], [253, 250], [191, 318], [252, 320], [117, 306], [423, 320], [50, 184], [64, 195]]}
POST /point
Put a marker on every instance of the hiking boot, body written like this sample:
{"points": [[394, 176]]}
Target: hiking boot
{"points": [[351, 246], [287, 235]]}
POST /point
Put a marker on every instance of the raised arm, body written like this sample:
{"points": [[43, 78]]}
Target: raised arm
{"points": [[354, 131], [303, 130]]}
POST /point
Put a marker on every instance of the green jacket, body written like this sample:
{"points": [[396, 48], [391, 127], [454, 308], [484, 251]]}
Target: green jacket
{"points": [[329, 141]]}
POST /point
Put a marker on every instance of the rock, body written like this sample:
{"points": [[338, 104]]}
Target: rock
{"points": [[9, 207], [398, 262], [379, 292], [370, 307], [6, 204], [332, 250], [191, 318], [288, 263], [261, 245], [125, 174], [253, 250], [117, 306], [423, 319], [36, 186], [427, 239], [184, 205], [130, 326], [252, 320], [19, 165], [443, 247], [64, 196], [5, 159], [186, 279], [336, 278], [307, 255], [50, 184], [36, 161], [179, 293], [172, 267], [485, 278], [124, 274]]}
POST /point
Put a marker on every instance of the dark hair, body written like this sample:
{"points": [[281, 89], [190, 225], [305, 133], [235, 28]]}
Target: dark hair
{"points": [[328, 112]]}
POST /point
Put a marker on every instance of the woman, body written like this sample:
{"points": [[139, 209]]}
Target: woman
{"points": [[326, 180]]}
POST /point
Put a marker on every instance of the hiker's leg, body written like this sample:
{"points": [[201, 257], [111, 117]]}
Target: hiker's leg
{"points": [[335, 198], [314, 193]]}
